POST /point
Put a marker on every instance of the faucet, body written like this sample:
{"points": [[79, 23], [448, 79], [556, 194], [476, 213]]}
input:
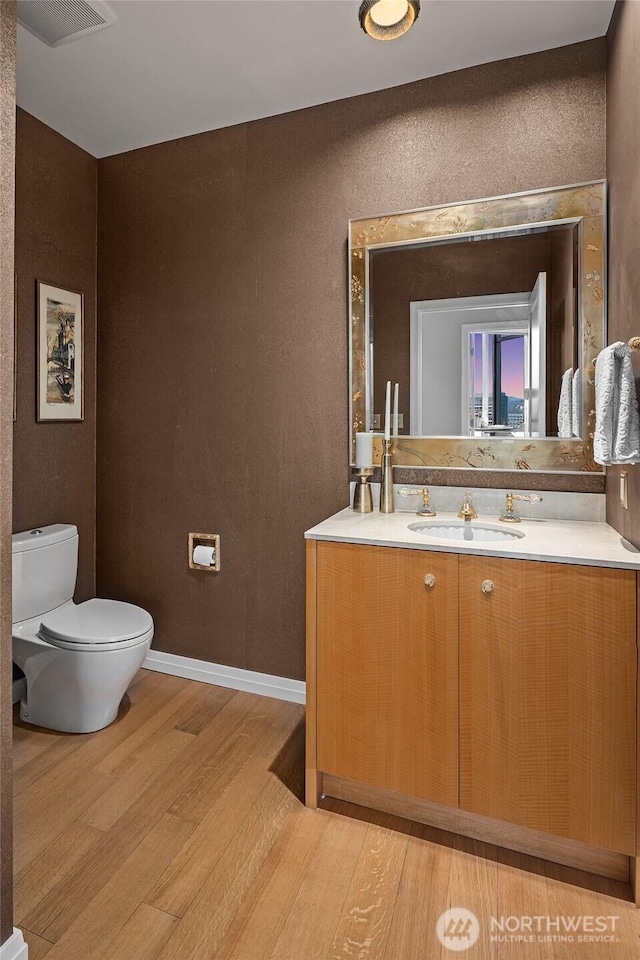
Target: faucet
{"points": [[510, 516], [467, 510]]}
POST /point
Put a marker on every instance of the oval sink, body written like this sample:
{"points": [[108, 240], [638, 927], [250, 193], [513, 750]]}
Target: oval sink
{"points": [[464, 531]]}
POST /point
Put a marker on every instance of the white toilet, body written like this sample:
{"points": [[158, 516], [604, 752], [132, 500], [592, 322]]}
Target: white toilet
{"points": [[78, 659]]}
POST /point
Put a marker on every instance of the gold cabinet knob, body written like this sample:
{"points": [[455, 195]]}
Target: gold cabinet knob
{"points": [[487, 586], [429, 580]]}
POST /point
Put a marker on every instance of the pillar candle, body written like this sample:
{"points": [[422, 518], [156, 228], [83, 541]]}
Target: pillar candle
{"points": [[364, 451]]}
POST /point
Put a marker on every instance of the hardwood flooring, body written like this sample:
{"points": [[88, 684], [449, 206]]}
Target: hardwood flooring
{"points": [[178, 833]]}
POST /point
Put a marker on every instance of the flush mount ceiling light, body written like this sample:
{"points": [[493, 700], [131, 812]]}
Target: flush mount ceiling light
{"points": [[388, 19]]}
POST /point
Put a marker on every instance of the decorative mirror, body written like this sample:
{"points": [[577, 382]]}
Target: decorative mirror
{"points": [[489, 315]]}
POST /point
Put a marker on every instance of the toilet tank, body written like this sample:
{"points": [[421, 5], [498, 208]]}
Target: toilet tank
{"points": [[45, 564]]}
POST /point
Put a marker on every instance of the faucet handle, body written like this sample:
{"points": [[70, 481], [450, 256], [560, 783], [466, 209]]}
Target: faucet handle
{"points": [[425, 510], [510, 516]]}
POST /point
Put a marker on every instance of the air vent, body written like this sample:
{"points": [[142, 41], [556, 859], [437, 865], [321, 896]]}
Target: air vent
{"points": [[61, 21]]}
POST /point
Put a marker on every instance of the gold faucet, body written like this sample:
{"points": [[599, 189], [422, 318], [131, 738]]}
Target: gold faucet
{"points": [[467, 510], [510, 516]]}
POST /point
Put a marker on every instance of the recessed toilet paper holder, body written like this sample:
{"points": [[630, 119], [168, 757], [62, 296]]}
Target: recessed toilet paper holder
{"points": [[204, 540]]}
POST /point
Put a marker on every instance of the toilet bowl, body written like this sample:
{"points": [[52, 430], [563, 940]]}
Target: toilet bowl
{"points": [[78, 659]]}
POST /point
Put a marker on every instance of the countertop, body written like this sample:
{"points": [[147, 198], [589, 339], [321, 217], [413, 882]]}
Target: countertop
{"points": [[555, 541]]}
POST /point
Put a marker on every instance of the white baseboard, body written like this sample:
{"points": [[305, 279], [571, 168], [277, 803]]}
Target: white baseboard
{"points": [[264, 684], [14, 948]]}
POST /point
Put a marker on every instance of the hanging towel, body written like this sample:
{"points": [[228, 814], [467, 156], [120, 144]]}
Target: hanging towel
{"points": [[617, 433], [565, 425], [576, 403]]}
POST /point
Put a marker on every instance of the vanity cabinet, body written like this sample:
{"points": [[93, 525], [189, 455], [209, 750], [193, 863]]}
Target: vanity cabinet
{"points": [[548, 697], [387, 668], [496, 696]]}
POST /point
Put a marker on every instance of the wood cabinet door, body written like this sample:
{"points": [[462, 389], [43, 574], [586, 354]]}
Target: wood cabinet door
{"points": [[547, 698], [387, 660]]}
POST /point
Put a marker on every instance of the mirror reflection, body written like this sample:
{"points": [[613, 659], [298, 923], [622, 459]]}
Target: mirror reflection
{"points": [[481, 333]]}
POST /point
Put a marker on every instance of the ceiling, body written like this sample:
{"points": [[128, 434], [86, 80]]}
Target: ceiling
{"points": [[170, 68]]}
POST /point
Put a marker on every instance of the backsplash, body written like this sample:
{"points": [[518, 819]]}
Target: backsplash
{"points": [[490, 503]]}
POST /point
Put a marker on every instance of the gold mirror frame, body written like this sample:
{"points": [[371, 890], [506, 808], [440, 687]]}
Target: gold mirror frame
{"points": [[584, 204]]}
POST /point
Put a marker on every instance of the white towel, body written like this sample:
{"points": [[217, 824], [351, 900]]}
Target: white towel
{"points": [[617, 433], [565, 425], [576, 403]]}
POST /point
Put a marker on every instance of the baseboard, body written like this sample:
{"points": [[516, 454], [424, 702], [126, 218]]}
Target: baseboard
{"points": [[14, 948], [264, 684], [533, 843]]}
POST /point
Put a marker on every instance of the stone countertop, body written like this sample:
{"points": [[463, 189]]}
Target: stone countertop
{"points": [[554, 541]]}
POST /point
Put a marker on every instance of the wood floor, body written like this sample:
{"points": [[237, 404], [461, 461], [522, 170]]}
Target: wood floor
{"points": [[178, 833]]}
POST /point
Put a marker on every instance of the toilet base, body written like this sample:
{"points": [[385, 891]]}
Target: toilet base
{"points": [[74, 691], [74, 725]]}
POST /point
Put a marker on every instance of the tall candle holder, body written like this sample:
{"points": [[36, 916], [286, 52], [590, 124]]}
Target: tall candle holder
{"points": [[362, 499], [386, 487]]}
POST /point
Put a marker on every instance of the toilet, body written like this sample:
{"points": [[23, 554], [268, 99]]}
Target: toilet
{"points": [[78, 659]]}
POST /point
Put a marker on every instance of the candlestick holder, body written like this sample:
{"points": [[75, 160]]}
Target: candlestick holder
{"points": [[362, 499], [386, 487]]}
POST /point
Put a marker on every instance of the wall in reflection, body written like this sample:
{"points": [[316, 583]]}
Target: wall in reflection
{"points": [[460, 268]]}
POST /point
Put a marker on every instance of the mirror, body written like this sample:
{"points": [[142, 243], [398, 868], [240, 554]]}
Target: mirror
{"points": [[488, 315], [478, 333]]}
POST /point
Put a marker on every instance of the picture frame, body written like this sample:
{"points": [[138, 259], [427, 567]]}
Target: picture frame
{"points": [[60, 346]]}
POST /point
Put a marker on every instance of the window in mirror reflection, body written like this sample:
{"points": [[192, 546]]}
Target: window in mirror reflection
{"points": [[481, 332], [497, 362]]}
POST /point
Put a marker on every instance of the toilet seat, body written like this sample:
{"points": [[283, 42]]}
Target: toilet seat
{"points": [[96, 625]]}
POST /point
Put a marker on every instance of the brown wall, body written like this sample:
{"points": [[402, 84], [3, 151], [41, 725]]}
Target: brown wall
{"points": [[439, 272], [7, 165], [222, 402], [56, 223], [562, 333], [623, 150]]}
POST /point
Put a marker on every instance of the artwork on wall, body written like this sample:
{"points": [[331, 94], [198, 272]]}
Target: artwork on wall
{"points": [[60, 353]]}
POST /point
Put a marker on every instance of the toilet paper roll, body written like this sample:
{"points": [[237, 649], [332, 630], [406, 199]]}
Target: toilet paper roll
{"points": [[205, 556]]}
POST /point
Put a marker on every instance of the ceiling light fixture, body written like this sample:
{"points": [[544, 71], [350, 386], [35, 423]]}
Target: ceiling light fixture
{"points": [[388, 19]]}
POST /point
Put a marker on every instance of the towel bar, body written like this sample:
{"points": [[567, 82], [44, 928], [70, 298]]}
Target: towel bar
{"points": [[634, 344]]}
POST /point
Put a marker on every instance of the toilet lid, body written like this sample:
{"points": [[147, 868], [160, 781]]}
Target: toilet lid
{"points": [[97, 621]]}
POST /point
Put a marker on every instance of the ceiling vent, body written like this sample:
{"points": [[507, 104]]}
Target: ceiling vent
{"points": [[61, 21]]}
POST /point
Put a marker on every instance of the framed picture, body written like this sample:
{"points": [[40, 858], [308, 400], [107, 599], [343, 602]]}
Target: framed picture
{"points": [[60, 353]]}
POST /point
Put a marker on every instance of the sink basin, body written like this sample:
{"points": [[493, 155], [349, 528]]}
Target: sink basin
{"points": [[464, 531]]}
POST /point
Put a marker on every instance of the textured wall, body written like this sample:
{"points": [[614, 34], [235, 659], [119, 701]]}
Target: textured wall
{"points": [[222, 401], [7, 164], [56, 222], [623, 150], [562, 330]]}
